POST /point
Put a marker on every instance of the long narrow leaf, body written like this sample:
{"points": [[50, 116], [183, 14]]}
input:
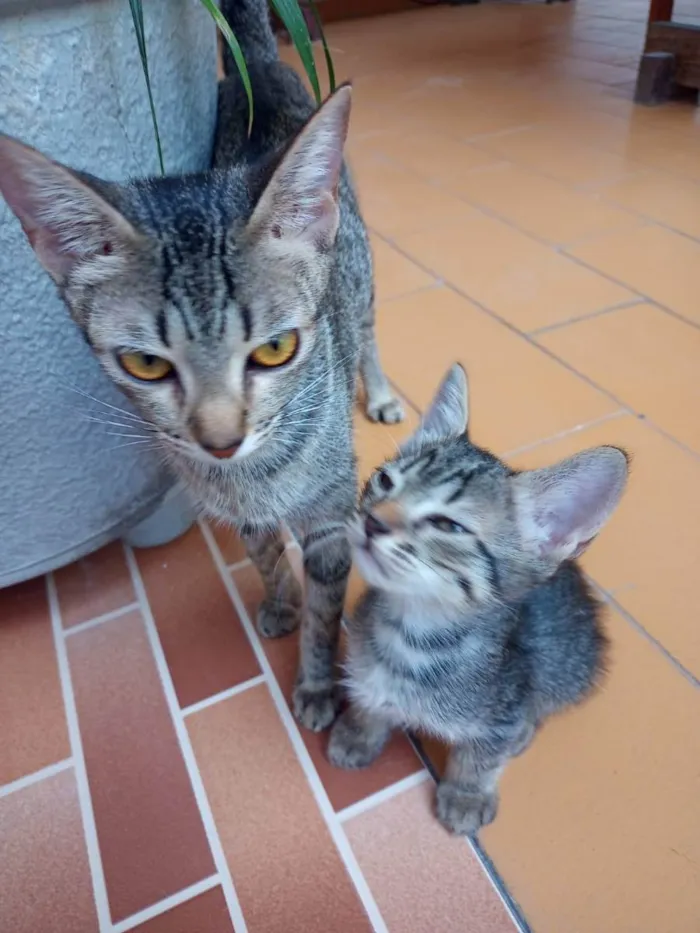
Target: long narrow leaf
{"points": [[295, 24], [137, 17], [236, 51], [326, 51]]}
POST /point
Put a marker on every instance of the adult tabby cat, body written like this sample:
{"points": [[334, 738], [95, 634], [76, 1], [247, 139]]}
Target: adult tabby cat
{"points": [[234, 309], [477, 624]]}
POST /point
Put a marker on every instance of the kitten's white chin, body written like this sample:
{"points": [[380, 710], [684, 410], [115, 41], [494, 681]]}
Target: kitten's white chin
{"points": [[369, 567]]}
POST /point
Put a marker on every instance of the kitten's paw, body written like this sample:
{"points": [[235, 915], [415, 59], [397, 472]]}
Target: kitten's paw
{"points": [[276, 619], [315, 709], [464, 812], [349, 747], [387, 411]]}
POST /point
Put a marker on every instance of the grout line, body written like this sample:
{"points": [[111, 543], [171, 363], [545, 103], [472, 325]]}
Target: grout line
{"points": [[239, 564], [611, 416], [188, 755], [98, 620], [92, 845], [168, 903], [630, 303], [336, 830], [511, 906], [374, 800], [608, 596], [544, 349], [35, 777], [223, 695]]}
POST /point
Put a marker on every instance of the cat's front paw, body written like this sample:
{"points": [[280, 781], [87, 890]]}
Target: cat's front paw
{"points": [[387, 411], [350, 747], [464, 812], [276, 619], [315, 709]]}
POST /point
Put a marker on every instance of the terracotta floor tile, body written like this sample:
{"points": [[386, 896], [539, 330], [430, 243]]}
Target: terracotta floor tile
{"points": [[394, 201], [540, 205], [436, 158], [599, 827], [205, 646], [523, 281], [343, 788], [674, 202], [645, 357], [270, 827], [550, 153], [151, 837], [394, 274], [32, 721], [422, 879], [232, 548], [207, 913], [538, 399], [655, 262], [94, 585], [648, 553], [44, 874]]}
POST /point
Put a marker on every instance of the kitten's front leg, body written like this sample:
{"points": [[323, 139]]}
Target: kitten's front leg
{"points": [[357, 738], [467, 796], [281, 609], [327, 567]]}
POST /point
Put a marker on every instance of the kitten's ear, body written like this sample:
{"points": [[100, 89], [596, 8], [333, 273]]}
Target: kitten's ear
{"points": [[71, 228], [560, 509], [448, 414], [300, 200]]}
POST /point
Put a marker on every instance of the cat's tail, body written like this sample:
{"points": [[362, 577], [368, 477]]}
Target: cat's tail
{"points": [[251, 25]]}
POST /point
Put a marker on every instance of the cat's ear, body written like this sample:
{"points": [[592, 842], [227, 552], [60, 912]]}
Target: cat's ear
{"points": [[73, 230], [300, 201], [448, 414], [560, 509]]}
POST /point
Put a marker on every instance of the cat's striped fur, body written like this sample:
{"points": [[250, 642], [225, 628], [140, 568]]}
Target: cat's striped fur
{"points": [[477, 624], [201, 271]]}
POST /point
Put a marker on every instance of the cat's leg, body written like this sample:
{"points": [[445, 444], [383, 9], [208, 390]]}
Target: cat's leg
{"points": [[467, 796], [281, 609], [327, 567], [381, 401], [357, 738]]}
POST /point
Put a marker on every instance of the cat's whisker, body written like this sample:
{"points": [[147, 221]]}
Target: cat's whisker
{"points": [[142, 437], [142, 441], [99, 401]]}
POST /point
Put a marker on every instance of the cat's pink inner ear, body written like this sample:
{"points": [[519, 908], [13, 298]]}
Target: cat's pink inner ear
{"points": [[65, 220], [561, 509], [300, 199]]}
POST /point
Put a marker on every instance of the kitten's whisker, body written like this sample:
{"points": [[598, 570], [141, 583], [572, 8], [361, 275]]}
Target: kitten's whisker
{"points": [[142, 437], [143, 440], [99, 401]]}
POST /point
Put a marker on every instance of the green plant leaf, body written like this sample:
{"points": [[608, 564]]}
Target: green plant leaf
{"points": [[326, 51], [236, 51], [290, 13], [137, 17]]}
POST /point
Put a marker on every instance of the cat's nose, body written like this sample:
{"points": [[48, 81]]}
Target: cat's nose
{"points": [[226, 452], [374, 527]]}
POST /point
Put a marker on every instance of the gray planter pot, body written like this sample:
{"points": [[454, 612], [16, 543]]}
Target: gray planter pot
{"points": [[71, 84]]}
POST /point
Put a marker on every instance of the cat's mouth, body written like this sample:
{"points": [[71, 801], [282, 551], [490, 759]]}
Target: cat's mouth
{"points": [[368, 562]]}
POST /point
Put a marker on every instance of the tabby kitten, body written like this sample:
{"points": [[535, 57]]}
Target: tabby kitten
{"points": [[477, 624], [234, 308]]}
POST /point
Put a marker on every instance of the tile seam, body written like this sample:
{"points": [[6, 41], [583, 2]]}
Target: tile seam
{"points": [[318, 791], [186, 750], [167, 904], [222, 695], [92, 845], [382, 796], [35, 777], [99, 620]]}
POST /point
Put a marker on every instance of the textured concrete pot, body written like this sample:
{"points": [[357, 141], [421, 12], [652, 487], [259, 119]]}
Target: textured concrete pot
{"points": [[71, 84]]}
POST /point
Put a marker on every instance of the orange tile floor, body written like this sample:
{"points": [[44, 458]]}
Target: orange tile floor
{"points": [[530, 220]]}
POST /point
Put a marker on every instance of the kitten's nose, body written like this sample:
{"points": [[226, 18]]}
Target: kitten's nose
{"points": [[374, 527], [224, 453]]}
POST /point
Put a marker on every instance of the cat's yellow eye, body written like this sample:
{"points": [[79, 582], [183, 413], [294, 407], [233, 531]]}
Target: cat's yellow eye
{"points": [[145, 366], [276, 352]]}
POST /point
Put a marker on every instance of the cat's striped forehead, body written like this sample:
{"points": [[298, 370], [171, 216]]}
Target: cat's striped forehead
{"points": [[452, 463]]}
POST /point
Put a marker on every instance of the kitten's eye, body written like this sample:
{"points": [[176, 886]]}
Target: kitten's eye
{"points": [[276, 352], [442, 523], [145, 366], [384, 481]]}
